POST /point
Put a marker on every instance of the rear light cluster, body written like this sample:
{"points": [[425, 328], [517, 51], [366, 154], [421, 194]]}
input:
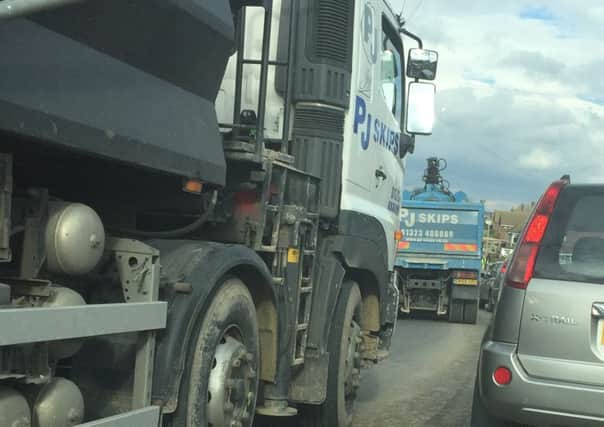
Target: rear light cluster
{"points": [[460, 247], [403, 245], [522, 266], [460, 274], [464, 277]]}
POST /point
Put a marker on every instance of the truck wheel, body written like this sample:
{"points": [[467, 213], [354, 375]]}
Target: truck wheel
{"points": [[456, 311], [490, 305], [470, 312], [221, 377], [344, 364]]}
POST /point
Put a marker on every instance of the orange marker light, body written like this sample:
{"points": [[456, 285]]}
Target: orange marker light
{"points": [[398, 235], [193, 186]]}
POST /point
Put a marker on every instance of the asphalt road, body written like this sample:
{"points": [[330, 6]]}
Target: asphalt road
{"points": [[427, 381]]}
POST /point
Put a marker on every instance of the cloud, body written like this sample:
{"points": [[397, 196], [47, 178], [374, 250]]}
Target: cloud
{"points": [[480, 78], [520, 97], [538, 159], [588, 80], [535, 64]]}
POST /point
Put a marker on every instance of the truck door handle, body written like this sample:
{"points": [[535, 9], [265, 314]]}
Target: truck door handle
{"points": [[380, 174], [597, 310]]}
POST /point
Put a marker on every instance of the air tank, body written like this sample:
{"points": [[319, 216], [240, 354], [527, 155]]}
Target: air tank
{"points": [[64, 297], [58, 403], [14, 409], [75, 239]]}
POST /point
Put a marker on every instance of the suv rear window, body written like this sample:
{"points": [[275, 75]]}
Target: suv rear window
{"points": [[573, 246]]}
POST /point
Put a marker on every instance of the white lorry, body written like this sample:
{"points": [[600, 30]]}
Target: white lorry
{"points": [[198, 207]]}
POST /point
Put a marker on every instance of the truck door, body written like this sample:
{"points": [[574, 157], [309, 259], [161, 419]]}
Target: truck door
{"points": [[372, 170]]}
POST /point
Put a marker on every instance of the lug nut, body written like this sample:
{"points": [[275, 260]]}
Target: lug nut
{"points": [[236, 363]]}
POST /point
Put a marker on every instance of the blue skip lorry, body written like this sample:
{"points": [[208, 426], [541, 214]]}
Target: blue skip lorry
{"points": [[439, 257]]}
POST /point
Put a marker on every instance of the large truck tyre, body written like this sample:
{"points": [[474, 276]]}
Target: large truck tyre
{"points": [[344, 364], [456, 311], [220, 383], [463, 311], [470, 312]]}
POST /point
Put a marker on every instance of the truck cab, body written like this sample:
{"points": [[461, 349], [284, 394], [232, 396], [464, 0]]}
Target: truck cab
{"points": [[348, 111]]}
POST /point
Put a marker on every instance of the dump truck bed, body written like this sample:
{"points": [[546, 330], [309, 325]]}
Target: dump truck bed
{"points": [[133, 82]]}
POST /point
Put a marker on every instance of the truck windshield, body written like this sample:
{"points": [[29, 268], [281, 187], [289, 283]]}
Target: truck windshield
{"points": [[392, 78]]}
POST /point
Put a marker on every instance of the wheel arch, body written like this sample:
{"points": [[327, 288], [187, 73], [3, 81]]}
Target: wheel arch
{"points": [[192, 271], [370, 297], [263, 295]]}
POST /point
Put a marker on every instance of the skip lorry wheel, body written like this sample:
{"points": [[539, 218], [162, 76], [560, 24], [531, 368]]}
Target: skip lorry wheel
{"points": [[456, 309], [220, 382], [344, 364], [470, 312]]}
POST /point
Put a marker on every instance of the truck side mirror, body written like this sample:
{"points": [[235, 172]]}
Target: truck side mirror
{"points": [[422, 64], [420, 108]]}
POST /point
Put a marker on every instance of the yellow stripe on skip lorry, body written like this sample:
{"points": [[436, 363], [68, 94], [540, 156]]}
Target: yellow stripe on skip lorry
{"points": [[465, 282]]}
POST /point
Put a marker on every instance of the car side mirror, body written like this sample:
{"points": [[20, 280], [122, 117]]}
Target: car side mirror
{"points": [[422, 64], [421, 105]]}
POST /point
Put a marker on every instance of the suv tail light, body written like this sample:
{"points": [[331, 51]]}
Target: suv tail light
{"points": [[521, 268], [504, 267]]}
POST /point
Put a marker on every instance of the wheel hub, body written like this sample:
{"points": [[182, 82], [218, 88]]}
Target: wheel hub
{"points": [[353, 362], [231, 386]]}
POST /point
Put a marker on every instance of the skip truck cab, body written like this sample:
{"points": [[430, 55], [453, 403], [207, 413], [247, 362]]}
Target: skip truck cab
{"points": [[198, 211]]}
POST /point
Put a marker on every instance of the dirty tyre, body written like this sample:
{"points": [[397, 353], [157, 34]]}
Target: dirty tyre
{"points": [[490, 306], [344, 364], [470, 312], [220, 383], [456, 311]]}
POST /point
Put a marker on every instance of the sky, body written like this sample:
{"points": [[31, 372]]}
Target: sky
{"points": [[520, 94]]}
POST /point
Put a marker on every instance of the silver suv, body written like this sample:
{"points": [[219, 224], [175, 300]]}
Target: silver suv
{"points": [[542, 359]]}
